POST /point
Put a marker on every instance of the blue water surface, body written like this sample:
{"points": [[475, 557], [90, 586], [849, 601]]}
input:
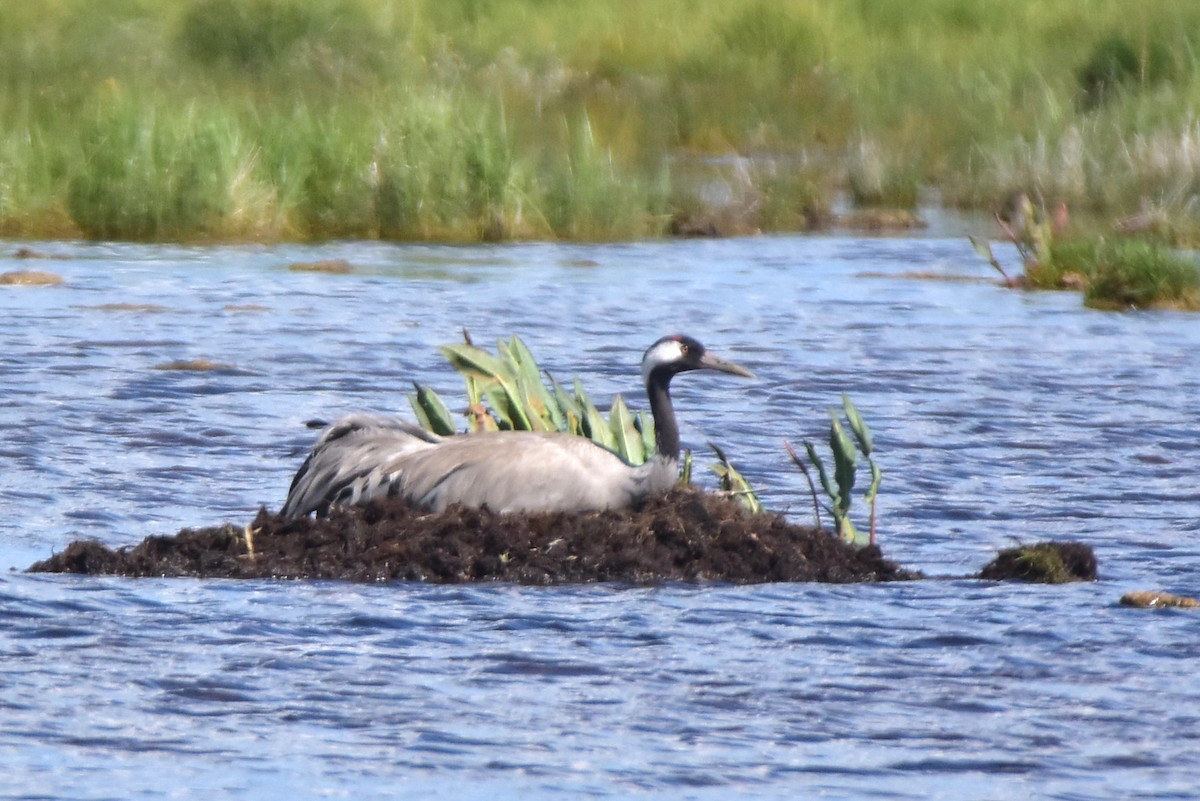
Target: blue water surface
{"points": [[998, 415]]}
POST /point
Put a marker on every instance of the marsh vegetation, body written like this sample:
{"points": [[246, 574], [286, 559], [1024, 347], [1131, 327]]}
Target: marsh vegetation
{"points": [[460, 121]]}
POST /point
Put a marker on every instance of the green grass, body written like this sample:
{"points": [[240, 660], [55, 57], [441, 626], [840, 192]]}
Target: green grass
{"points": [[464, 120], [1142, 274], [1122, 273]]}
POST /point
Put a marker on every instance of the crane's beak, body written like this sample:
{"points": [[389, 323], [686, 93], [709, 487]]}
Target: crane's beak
{"points": [[711, 362]]}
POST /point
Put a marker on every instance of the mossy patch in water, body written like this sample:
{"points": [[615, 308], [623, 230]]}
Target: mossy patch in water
{"points": [[1156, 599], [1043, 562], [129, 307], [331, 266], [195, 365], [30, 278], [685, 535]]}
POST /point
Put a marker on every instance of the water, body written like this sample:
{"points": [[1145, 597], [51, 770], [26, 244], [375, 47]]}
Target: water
{"points": [[998, 415]]}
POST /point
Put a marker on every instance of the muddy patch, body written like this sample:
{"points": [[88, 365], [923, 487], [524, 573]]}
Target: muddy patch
{"points": [[685, 535]]}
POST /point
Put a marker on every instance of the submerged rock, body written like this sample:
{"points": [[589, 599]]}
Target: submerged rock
{"points": [[1043, 562], [685, 535]]}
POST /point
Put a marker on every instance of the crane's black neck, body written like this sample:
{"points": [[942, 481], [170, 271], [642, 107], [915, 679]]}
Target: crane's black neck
{"points": [[666, 430]]}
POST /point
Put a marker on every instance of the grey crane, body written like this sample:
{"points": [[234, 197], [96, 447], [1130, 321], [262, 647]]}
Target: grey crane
{"points": [[367, 456]]}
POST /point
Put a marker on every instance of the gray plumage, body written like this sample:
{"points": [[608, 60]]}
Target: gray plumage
{"points": [[367, 456]]}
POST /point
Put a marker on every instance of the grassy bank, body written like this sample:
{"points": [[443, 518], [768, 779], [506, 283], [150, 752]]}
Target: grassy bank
{"points": [[463, 120]]}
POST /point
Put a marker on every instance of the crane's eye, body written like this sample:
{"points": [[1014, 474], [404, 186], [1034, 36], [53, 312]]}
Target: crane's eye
{"points": [[683, 348]]}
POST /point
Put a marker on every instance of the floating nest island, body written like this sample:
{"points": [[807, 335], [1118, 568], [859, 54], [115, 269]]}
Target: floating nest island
{"points": [[685, 535]]}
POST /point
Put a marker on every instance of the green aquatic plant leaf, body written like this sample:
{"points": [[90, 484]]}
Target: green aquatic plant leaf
{"points": [[845, 460], [822, 474], [431, 412], [626, 436], [645, 426], [475, 362], [538, 400], [839, 485], [592, 421], [734, 482], [495, 379], [982, 247], [568, 409], [857, 425], [541, 415]]}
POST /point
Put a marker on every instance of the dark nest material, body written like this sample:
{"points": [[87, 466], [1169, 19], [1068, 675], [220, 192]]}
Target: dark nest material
{"points": [[685, 535]]}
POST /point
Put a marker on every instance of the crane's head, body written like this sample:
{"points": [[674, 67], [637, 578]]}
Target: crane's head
{"points": [[678, 354]]}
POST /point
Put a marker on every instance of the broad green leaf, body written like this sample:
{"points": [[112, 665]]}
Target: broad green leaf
{"points": [[876, 477], [496, 381], [538, 400], [501, 407], [594, 426], [540, 415], [628, 440], [431, 412], [581, 397], [568, 408], [645, 424], [476, 362], [734, 482], [845, 459], [857, 425], [598, 429]]}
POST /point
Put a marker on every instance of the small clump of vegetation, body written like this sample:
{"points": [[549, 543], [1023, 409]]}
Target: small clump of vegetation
{"points": [[1140, 273], [838, 484], [1114, 272], [1043, 563]]}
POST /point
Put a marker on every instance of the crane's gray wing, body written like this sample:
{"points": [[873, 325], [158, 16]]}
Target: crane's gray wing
{"points": [[517, 471], [351, 462]]}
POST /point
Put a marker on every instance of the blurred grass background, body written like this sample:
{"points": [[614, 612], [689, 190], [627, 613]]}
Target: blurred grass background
{"points": [[462, 120]]}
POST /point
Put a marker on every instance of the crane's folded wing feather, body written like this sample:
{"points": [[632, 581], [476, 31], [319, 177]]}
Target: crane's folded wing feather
{"points": [[347, 463], [515, 471]]}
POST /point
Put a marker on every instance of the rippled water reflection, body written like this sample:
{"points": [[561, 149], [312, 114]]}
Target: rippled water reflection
{"points": [[998, 415]]}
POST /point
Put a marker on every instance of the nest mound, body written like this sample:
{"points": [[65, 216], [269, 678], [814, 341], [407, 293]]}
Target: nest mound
{"points": [[684, 535]]}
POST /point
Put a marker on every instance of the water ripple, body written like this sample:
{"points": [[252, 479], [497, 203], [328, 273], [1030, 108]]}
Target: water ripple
{"points": [[999, 417]]}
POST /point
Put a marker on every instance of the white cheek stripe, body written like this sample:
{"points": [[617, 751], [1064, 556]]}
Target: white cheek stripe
{"points": [[662, 353]]}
